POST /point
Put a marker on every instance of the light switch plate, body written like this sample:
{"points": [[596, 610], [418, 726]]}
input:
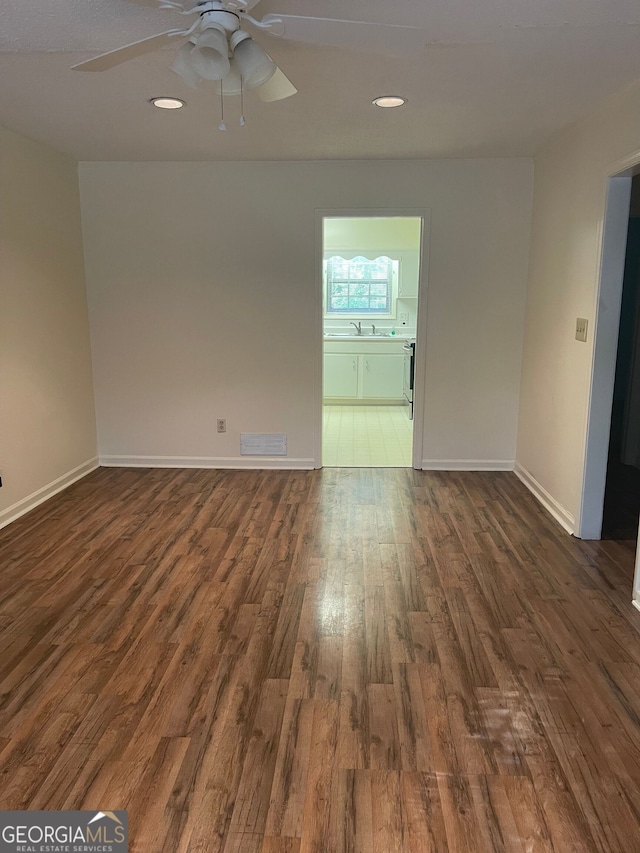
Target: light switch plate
{"points": [[581, 329]]}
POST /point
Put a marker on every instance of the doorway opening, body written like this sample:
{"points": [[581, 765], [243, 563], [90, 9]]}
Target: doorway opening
{"points": [[621, 509], [371, 272]]}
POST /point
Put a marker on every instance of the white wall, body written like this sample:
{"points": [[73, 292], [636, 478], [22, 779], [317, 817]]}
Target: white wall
{"points": [[47, 416], [356, 233], [203, 302], [569, 202]]}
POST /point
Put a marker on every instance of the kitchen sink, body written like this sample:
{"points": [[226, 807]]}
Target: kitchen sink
{"points": [[363, 335]]}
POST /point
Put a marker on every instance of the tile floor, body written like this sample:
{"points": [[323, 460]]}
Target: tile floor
{"points": [[367, 437]]}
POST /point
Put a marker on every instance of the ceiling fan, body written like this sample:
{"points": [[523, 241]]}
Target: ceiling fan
{"points": [[216, 46]]}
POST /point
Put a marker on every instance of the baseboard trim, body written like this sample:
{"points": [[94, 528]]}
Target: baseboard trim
{"points": [[467, 464], [22, 507], [636, 602], [232, 462], [564, 518]]}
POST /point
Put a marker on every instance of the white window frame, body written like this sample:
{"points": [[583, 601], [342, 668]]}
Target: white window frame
{"points": [[350, 255]]}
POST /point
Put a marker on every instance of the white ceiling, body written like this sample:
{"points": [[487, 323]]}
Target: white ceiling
{"points": [[496, 78]]}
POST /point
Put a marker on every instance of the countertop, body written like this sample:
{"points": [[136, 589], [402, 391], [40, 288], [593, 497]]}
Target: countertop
{"points": [[336, 339]]}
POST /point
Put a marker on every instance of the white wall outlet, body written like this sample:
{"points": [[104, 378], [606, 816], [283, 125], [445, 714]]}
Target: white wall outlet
{"points": [[581, 329], [404, 317], [222, 424]]}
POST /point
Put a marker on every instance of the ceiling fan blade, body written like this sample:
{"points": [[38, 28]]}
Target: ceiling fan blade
{"points": [[155, 4], [277, 88], [385, 38], [241, 5], [129, 51]]}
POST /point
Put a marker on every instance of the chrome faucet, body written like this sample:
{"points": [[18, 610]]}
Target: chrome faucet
{"points": [[373, 327], [358, 326]]}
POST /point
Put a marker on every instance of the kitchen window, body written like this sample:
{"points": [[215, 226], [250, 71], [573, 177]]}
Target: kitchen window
{"points": [[360, 286]]}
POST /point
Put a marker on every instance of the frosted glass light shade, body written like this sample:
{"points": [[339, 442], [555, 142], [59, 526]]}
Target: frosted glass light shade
{"points": [[182, 65], [232, 83], [210, 57], [253, 63]]}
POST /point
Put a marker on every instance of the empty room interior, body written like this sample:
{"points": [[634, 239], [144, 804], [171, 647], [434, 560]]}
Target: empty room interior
{"points": [[320, 425]]}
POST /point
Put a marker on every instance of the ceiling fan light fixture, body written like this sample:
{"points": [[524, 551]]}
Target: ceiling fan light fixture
{"points": [[210, 56], [182, 65], [168, 103], [254, 64], [231, 84], [389, 101]]}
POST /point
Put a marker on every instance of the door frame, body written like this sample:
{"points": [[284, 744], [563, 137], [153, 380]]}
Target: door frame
{"points": [[424, 214], [613, 249], [606, 327]]}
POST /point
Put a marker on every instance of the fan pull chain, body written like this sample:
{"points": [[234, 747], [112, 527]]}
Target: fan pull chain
{"points": [[242, 121], [222, 125]]}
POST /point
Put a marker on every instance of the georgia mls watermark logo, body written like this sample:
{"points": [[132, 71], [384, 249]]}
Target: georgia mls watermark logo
{"points": [[63, 832]]}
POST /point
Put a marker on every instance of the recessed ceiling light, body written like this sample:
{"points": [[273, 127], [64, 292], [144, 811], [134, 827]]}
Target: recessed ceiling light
{"points": [[167, 103], [389, 101]]}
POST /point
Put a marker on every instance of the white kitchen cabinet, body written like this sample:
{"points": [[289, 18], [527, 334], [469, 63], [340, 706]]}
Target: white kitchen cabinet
{"points": [[382, 376], [366, 370], [341, 375], [409, 278]]}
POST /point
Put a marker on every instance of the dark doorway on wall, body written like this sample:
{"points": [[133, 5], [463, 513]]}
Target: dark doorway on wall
{"points": [[622, 491]]}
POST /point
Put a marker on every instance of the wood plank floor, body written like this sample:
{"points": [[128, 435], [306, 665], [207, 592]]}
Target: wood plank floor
{"points": [[343, 660]]}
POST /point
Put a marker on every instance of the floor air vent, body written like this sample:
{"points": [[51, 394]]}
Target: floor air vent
{"points": [[263, 444]]}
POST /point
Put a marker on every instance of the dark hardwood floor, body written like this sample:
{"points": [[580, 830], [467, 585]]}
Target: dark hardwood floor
{"points": [[345, 660]]}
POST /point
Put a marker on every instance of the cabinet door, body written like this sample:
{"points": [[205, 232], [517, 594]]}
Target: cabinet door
{"points": [[409, 275], [340, 375], [382, 376]]}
